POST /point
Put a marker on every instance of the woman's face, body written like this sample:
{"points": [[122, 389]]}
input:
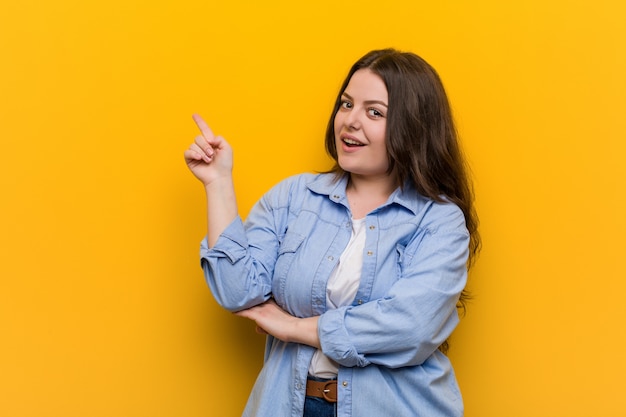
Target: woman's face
{"points": [[360, 126]]}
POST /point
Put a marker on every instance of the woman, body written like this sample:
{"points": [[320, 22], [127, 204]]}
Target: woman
{"points": [[355, 274]]}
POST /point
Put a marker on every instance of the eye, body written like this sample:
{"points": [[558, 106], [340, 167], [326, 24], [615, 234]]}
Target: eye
{"points": [[374, 113], [345, 104]]}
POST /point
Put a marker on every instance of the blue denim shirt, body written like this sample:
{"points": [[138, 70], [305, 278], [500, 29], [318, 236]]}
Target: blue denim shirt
{"points": [[386, 341]]}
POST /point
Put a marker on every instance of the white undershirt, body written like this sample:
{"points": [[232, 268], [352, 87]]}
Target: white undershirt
{"points": [[341, 289]]}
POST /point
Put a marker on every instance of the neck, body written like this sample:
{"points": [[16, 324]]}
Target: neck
{"points": [[366, 193]]}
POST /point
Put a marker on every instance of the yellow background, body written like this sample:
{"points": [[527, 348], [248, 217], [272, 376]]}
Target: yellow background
{"points": [[103, 308]]}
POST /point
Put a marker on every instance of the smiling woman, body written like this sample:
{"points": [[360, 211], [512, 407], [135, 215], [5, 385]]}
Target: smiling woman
{"points": [[355, 274]]}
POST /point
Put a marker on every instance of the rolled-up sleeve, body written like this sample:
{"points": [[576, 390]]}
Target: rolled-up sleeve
{"points": [[236, 277], [417, 313]]}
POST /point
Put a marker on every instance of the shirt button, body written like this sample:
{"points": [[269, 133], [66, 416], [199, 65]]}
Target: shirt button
{"points": [[359, 302], [298, 386], [336, 197], [344, 383], [372, 227], [370, 253], [331, 258]]}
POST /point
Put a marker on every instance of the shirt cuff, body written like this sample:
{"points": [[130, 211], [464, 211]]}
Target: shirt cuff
{"points": [[231, 244], [335, 340]]}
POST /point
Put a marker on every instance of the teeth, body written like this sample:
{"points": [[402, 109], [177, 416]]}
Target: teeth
{"points": [[352, 142]]}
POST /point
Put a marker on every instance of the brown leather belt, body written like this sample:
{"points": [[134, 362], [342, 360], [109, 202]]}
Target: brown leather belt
{"points": [[322, 389]]}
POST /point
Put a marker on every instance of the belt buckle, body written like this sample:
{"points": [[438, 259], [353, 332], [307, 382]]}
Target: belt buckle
{"points": [[326, 390]]}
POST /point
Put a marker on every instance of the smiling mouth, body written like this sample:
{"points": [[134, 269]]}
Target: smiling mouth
{"points": [[352, 143]]}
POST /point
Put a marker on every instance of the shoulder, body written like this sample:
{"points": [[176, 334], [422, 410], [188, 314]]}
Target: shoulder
{"points": [[428, 213], [431, 215], [297, 186], [443, 216]]}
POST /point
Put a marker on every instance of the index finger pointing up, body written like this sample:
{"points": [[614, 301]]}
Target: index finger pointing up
{"points": [[204, 127]]}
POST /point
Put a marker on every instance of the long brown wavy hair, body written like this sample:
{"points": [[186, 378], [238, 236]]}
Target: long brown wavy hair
{"points": [[422, 141]]}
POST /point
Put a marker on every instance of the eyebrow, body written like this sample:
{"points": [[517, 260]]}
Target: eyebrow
{"points": [[366, 101]]}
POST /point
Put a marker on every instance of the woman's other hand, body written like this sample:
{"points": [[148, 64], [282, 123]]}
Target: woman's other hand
{"points": [[273, 320]]}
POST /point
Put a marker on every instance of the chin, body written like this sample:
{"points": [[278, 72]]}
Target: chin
{"points": [[346, 167]]}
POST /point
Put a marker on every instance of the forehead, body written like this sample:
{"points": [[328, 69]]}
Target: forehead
{"points": [[366, 85]]}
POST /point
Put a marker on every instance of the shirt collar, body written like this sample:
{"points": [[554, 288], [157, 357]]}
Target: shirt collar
{"points": [[326, 184]]}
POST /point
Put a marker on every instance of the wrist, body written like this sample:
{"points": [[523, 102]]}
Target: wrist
{"points": [[220, 184], [304, 331]]}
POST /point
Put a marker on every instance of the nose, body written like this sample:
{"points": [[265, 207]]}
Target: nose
{"points": [[352, 120]]}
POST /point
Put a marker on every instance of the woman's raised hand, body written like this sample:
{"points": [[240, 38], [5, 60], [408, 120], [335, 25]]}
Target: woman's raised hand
{"points": [[210, 157]]}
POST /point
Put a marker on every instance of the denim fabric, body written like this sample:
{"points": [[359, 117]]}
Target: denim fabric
{"points": [[318, 407], [386, 341]]}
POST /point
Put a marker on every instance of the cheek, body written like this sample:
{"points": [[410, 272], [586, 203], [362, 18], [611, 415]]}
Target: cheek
{"points": [[337, 123], [380, 135]]}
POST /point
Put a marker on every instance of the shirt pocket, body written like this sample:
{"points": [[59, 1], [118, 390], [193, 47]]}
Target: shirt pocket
{"points": [[286, 255]]}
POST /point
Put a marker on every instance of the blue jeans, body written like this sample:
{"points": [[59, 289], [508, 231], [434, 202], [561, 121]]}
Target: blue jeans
{"points": [[319, 407]]}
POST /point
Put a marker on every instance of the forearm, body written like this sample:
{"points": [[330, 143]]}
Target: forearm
{"points": [[221, 207], [273, 320], [305, 332], [357, 337]]}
